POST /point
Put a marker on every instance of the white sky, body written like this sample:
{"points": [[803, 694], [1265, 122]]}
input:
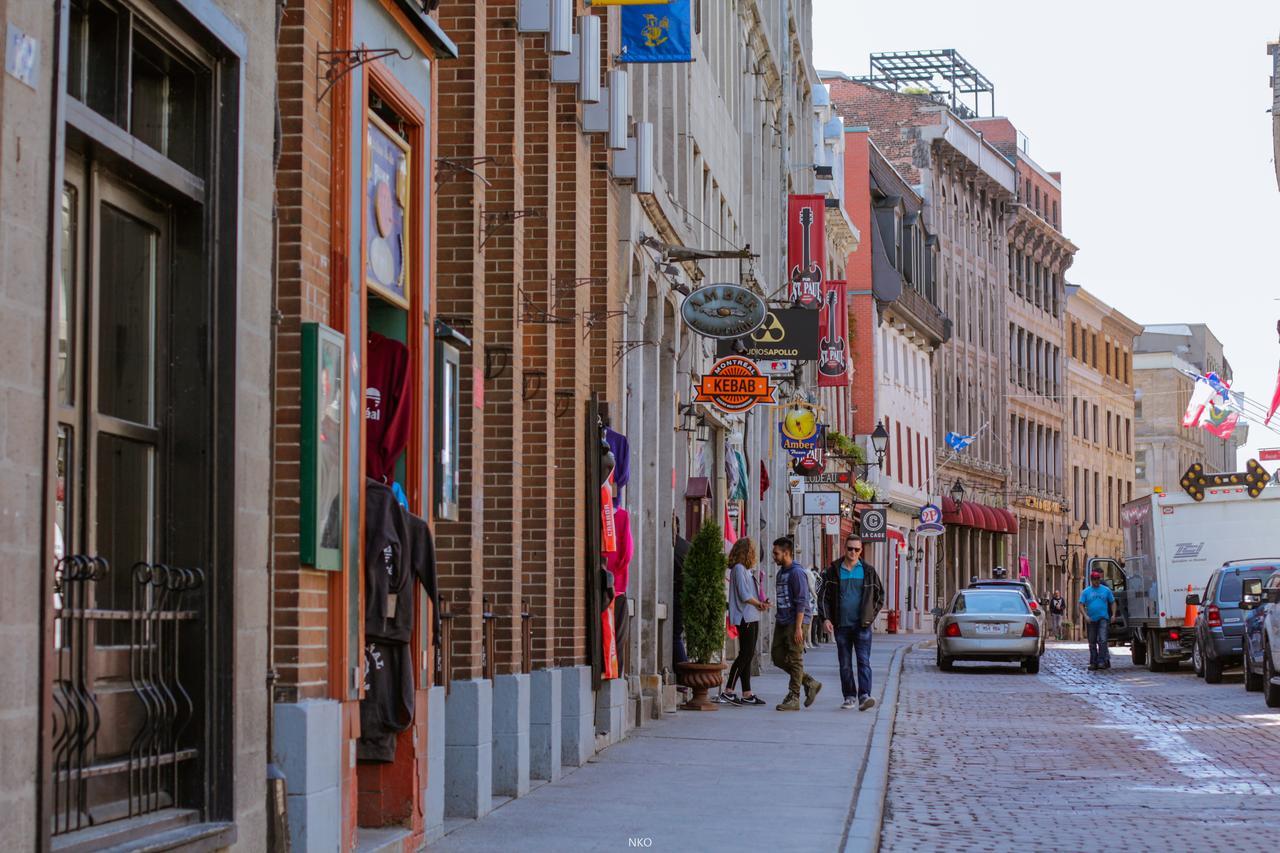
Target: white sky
{"points": [[1156, 115]]}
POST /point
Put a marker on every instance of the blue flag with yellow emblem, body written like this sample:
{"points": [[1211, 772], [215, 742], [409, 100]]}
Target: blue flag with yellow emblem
{"points": [[657, 32]]}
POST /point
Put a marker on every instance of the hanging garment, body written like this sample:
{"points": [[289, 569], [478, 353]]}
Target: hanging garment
{"points": [[618, 561], [608, 533], [388, 402], [388, 574], [621, 457], [387, 706], [423, 564], [610, 656]]}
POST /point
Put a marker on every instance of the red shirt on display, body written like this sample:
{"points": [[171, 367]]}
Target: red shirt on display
{"points": [[387, 406], [618, 561]]}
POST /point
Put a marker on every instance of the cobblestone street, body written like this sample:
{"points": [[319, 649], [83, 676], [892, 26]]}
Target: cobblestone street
{"points": [[986, 758]]}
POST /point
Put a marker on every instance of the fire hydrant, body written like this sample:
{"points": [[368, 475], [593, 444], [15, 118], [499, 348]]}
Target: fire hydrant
{"points": [[892, 626]]}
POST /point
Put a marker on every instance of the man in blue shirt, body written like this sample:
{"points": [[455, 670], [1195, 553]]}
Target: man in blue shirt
{"points": [[788, 634], [1097, 608], [851, 599]]}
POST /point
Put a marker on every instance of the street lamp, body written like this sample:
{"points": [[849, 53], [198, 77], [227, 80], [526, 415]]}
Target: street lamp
{"points": [[880, 442], [957, 492], [1084, 531]]}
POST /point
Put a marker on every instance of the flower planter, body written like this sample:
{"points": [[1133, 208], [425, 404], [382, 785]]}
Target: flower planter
{"points": [[699, 677]]}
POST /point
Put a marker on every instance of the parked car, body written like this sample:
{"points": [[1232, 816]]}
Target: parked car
{"points": [[1264, 625], [990, 625], [1218, 632], [1021, 586]]}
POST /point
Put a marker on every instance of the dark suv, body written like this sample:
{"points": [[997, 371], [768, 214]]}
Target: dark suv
{"points": [[1218, 636]]}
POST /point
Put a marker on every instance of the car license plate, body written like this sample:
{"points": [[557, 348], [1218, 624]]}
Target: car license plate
{"points": [[1172, 646], [990, 629]]}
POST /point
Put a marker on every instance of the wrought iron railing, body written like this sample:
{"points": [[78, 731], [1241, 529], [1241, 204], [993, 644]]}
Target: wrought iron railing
{"points": [[165, 708]]}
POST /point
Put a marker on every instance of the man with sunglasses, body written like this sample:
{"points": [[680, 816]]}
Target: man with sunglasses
{"points": [[851, 598]]}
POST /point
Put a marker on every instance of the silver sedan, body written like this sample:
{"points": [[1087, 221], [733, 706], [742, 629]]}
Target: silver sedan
{"points": [[990, 625]]}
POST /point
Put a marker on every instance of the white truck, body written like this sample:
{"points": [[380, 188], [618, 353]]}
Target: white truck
{"points": [[1172, 544]]}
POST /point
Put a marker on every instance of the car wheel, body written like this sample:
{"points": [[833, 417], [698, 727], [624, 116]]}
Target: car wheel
{"points": [[1212, 670], [1137, 652], [944, 662], [1270, 691], [1197, 659], [1252, 680], [1154, 664], [1031, 665]]}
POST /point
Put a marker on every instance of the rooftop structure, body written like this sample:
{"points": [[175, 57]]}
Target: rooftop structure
{"points": [[944, 75]]}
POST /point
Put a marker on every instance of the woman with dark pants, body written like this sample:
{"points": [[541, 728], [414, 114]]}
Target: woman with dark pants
{"points": [[744, 613]]}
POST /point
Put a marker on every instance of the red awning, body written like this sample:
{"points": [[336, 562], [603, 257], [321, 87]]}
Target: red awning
{"points": [[1010, 521], [978, 516], [990, 519]]}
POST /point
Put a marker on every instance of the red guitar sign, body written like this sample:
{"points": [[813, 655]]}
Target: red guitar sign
{"points": [[833, 329], [832, 360], [806, 248]]}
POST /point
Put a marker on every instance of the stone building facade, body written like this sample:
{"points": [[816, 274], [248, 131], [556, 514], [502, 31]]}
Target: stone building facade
{"points": [[1166, 358], [1101, 450], [1039, 256], [135, 303], [968, 187]]}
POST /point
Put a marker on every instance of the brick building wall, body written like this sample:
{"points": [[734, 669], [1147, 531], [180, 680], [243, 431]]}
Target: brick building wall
{"points": [[462, 134], [303, 282]]}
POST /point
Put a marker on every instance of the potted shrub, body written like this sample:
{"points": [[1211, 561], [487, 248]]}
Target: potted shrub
{"points": [[702, 601]]}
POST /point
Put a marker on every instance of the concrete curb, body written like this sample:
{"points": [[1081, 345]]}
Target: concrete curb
{"points": [[862, 834]]}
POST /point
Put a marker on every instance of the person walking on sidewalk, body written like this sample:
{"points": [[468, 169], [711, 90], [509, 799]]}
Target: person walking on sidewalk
{"points": [[788, 633], [851, 600], [1097, 607], [744, 612], [1057, 609]]}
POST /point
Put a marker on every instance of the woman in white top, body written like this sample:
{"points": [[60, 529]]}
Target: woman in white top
{"points": [[744, 612]]}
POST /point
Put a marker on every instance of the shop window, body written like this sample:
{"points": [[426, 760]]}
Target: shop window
{"points": [[124, 69]]}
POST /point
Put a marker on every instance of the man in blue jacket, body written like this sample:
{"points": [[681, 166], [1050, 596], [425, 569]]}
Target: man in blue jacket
{"points": [[852, 597], [788, 634]]}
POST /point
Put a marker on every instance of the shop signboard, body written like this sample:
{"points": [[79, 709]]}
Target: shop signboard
{"points": [[930, 521], [821, 503], [784, 333], [1269, 454], [387, 225], [806, 248], [874, 522], [833, 343], [777, 367], [323, 426], [842, 478], [734, 384], [723, 311], [831, 523]]}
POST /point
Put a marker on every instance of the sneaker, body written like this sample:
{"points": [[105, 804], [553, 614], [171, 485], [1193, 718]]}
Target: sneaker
{"points": [[1093, 666], [811, 693], [1107, 665], [791, 703], [725, 699], [751, 700], [866, 702], [848, 704]]}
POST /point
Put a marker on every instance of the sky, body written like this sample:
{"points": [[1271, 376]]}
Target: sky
{"points": [[1157, 116]]}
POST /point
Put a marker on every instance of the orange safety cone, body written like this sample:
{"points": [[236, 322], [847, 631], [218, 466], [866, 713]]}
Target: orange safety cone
{"points": [[1192, 611]]}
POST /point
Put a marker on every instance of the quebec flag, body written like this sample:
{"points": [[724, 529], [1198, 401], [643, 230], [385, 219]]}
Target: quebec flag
{"points": [[657, 32], [959, 442]]}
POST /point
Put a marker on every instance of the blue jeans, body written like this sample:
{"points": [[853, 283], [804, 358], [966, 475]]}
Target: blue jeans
{"points": [[1099, 654], [851, 642]]}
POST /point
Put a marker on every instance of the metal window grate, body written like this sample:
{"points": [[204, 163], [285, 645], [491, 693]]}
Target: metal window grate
{"points": [[90, 778]]}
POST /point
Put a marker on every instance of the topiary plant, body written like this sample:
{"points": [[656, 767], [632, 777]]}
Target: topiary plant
{"points": [[702, 595]]}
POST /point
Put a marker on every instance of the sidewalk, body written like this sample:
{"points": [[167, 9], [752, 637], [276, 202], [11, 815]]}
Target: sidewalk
{"points": [[724, 780]]}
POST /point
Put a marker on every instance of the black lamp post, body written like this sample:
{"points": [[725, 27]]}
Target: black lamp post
{"points": [[880, 442], [957, 492]]}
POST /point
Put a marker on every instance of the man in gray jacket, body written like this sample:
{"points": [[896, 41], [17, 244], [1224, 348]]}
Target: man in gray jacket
{"points": [[851, 598]]}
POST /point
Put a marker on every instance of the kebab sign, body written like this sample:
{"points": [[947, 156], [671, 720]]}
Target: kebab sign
{"points": [[734, 384]]}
